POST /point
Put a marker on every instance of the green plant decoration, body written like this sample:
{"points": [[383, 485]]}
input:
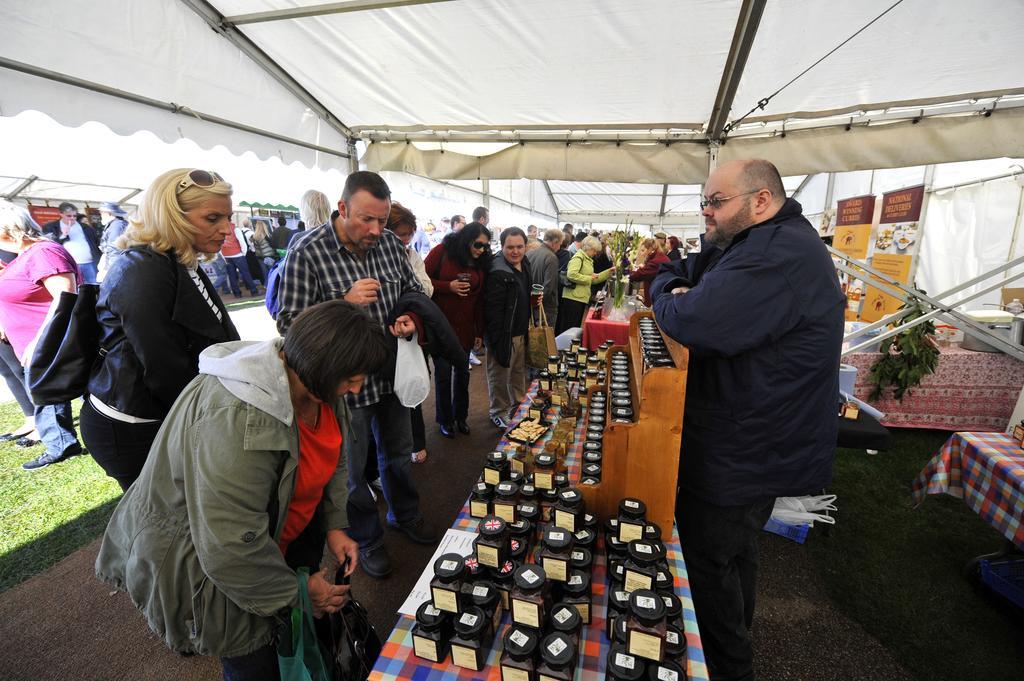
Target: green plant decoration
{"points": [[910, 356]]}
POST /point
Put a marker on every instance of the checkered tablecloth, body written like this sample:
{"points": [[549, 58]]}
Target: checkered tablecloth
{"points": [[986, 470], [397, 660]]}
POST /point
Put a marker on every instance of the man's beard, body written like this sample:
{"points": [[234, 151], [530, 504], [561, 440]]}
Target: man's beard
{"points": [[726, 230]]}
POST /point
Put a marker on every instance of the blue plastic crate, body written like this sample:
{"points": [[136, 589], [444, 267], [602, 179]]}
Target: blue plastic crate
{"points": [[797, 533], [1005, 577]]}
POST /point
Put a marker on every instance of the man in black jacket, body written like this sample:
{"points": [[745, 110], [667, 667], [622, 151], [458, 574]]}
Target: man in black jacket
{"points": [[761, 313], [506, 320], [78, 237]]}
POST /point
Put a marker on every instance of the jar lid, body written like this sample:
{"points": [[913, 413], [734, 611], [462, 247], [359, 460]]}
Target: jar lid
{"points": [[428, 616], [449, 566], [621, 665], [507, 569], [646, 606], [622, 412], [557, 538], [592, 372], [482, 489], [544, 373], [528, 510], [596, 418], [471, 622], [548, 495], [622, 393], [566, 617], [652, 532], [530, 577], [557, 650], [598, 394], [544, 460], [581, 557], [473, 566], [592, 469], [617, 386], [484, 594], [619, 599], [552, 358], [492, 526], [593, 457], [589, 480], [497, 458], [595, 428], [585, 536], [666, 670], [675, 642], [643, 552], [595, 435], [673, 606], [528, 490], [520, 527], [516, 477], [520, 642], [663, 579], [622, 402], [634, 509], [506, 489], [561, 480], [570, 496], [591, 446], [577, 584], [589, 520]]}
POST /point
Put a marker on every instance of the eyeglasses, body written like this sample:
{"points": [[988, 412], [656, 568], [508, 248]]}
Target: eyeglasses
{"points": [[198, 178], [479, 246], [717, 202]]}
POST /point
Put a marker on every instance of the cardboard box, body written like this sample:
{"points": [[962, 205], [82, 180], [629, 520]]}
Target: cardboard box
{"points": [[1009, 294]]}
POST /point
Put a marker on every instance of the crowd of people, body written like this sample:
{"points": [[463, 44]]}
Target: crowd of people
{"points": [[240, 461]]}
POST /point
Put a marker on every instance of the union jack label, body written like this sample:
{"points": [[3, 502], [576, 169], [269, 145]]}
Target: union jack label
{"points": [[493, 524]]}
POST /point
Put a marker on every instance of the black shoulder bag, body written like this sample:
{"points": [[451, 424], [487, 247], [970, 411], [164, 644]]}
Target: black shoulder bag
{"points": [[68, 347]]}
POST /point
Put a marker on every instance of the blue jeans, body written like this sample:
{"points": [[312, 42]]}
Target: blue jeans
{"points": [[391, 428], [89, 272], [236, 265], [56, 428], [450, 397], [10, 367]]}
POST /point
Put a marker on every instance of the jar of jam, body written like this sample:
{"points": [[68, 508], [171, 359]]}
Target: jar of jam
{"points": [[621, 666], [470, 645], [548, 498], [557, 658], [527, 491], [518, 549], [592, 470], [663, 581], [544, 471], [640, 566], [589, 481], [646, 625], [673, 609], [480, 500], [431, 634], [522, 531], [449, 570], [569, 509], [652, 532], [506, 499], [581, 559], [561, 481], [675, 644], [553, 364], [631, 519], [585, 539], [576, 590], [519, 651], [501, 578], [618, 604], [544, 379], [555, 553], [491, 544], [567, 619], [617, 572], [484, 596], [528, 596], [529, 510], [496, 469], [515, 476]]}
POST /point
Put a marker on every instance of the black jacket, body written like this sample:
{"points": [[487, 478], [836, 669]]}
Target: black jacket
{"points": [[436, 335], [504, 302], [51, 230], [154, 323], [764, 325]]}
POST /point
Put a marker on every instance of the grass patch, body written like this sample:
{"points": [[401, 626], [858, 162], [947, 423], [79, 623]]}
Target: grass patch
{"points": [[49, 513], [897, 570], [244, 304]]}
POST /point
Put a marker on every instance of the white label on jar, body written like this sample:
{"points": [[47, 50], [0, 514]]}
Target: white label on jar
{"points": [[562, 615], [577, 555], [621, 595], [431, 611], [672, 637], [468, 618], [575, 580], [643, 548], [530, 576], [528, 508], [557, 536], [557, 646], [449, 565], [505, 487], [614, 522], [667, 674], [582, 535], [519, 638], [631, 504], [663, 576], [645, 602], [625, 661], [480, 591]]}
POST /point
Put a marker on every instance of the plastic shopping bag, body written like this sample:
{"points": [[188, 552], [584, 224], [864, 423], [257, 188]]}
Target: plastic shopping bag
{"points": [[412, 380], [804, 510]]}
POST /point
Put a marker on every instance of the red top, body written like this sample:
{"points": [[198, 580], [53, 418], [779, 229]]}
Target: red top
{"points": [[319, 451], [466, 315], [231, 247], [647, 273]]}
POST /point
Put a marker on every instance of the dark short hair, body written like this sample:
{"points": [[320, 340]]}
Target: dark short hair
{"points": [[580, 236], [282, 221], [512, 231], [66, 206], [480, 212], [364, 180], [457, 218], [567, 227], [400, 215], [301, 226], [331, 342], [758, 173]]}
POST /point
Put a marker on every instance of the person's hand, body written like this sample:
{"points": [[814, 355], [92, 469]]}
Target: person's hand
{"points": [[594, 276], [680, 289], [324, 596], [344, 548], [403, 327], [363, 292], [459, 288]]}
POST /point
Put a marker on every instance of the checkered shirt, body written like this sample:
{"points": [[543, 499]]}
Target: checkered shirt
{"points": [[318, 268]]}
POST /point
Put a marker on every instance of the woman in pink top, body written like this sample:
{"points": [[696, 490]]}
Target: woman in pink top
{"points": [[29, 287]]}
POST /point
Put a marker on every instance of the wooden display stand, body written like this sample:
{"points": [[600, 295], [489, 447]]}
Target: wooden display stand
{"points": [[641, 459]]}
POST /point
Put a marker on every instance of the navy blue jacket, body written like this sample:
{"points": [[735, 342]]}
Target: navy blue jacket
{"points": [[764, 325]]}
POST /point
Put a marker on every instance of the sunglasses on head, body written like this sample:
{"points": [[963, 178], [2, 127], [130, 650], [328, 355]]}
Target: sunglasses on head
{"points": [[198, 178]]}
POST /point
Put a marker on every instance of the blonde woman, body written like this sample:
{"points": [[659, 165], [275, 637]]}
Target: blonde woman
{"points": [[315, 209], [581, 275], [157, 311]]}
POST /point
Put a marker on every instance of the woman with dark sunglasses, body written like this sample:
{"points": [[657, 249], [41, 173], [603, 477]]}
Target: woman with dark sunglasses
{"points": [[457, 268], [157, 311]]}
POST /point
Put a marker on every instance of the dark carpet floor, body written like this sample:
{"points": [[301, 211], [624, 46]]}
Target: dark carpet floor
{"points": [[64, 624]]}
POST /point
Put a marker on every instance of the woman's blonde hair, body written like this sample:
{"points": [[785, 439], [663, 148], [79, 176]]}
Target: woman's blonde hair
{"points": [[652, 244], [260, 233], [314, 209], [15, 222], [160, 222]]}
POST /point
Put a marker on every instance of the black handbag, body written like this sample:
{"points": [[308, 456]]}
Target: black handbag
{"points": [[68, 347], [355, 644]]}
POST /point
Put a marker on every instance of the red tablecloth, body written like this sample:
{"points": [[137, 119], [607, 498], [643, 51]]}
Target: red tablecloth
{"points": [[970, 391], [597, 331]]}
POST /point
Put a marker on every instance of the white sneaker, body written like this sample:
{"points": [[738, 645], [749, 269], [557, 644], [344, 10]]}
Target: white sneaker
{"points": [[473, 361]]}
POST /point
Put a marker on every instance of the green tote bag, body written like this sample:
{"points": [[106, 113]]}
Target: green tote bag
{"points": [[299, 656]]}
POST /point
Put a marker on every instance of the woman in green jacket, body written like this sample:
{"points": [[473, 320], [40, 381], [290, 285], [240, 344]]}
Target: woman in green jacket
{"points": [[580, 273], [244, 484]]}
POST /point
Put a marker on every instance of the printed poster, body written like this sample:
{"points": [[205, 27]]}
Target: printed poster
{"points": [[853, 226], [896, 242], [44, 214]]}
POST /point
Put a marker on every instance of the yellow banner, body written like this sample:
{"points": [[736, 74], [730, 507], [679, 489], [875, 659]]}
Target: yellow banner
{"points": [[853, 240], [877, 303]]}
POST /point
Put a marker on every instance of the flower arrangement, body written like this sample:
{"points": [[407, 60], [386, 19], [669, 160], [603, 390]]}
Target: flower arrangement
{"points": [[623, 245]]}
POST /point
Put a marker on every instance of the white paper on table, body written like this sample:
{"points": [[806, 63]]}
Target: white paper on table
{"points": [[453, 541]]}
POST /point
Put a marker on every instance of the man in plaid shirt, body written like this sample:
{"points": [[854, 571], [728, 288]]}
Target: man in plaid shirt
{"points": [[355, 258]]}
